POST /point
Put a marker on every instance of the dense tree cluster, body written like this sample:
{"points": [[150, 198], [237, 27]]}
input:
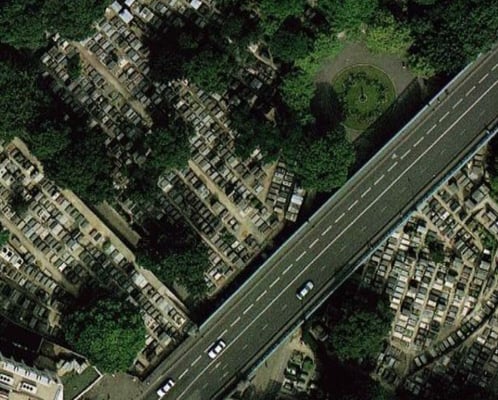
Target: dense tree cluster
{"points": [[109, 331], [24, 24], [175, 255]]}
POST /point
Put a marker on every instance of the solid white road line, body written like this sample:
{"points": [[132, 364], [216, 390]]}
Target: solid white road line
{"points": [[366, 192], [352, 205], [418, 142], [235, 322], [339, 218], [444, 116], [470, 90], [392, 166], [314, 242], [326, 230], [274, 282], [378, 180], [301, 255], [248, 309], [261, 295], [183, 374], [287, 269], [339, 235], [406, 153], [483, 78], [457, 103]]}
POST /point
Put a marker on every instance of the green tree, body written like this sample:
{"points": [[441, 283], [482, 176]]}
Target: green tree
{"points": [[210, 70], [4, 236], [323, 164], [348, 15], [274, 13], [21, 102], [297, 89], [25, 23], [110, 332], [289, 46], [388, 36], [360, 332], [451, 33]]}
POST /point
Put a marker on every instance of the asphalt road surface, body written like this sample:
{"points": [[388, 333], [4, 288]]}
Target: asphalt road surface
{"points": [[328, 248]]}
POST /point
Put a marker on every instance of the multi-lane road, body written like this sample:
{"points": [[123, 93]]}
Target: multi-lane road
{"points": [[332, 243]]}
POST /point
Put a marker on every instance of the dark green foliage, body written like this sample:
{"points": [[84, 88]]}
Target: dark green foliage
{"points": [[24, 23], [436, 249], [253, 132], [297, 90], [17, 201], [175, 255], [74, 66], [451, 33], [110, 332], [361, 329], [4, 236], [21, 100], [348, 14], [323, 164], [274, 13], [210, 70], [289, 46], [83, 165]]}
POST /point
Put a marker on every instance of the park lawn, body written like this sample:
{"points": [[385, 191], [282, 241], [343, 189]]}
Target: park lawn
{"points": [[364, 92]]}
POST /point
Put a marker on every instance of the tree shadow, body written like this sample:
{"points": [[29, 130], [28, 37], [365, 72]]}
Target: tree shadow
{"points": [[404, 107], [326, 108]]}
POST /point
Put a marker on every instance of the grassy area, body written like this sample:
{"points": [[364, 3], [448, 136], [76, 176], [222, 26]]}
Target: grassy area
{"points": [[74, 384], [365, 92]]}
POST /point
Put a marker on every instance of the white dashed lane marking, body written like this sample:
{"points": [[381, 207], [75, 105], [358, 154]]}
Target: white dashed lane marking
{"points": [[495, 66], [183, 374], [235, 322], [314, 242], [352, 205], [418, 142], [287, 269], [470, 90], [339, 218], [274, 282], [366, 192], [431, 129], [248, 309], [483, 78], [392, 167], [405, 153], [261, 295], [301, 255], [195, 361], [378, 180], [444, 116], [326, 230], [457, 103]]}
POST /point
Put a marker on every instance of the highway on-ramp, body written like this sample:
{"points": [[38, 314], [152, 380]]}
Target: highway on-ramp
{"points": [[328, 247]]}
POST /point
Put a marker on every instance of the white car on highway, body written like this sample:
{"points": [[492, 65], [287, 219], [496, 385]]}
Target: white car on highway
{"points": [[304, 290], [168, 385], [216, 349]]}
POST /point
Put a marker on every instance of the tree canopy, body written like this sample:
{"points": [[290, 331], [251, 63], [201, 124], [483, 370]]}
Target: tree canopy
{"points": [[25, 23], [109, 331], [361, 330]]}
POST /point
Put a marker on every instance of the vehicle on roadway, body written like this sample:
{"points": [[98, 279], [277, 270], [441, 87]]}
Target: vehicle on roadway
{"points": [[216, 349], [304, 290], [168, 385]]}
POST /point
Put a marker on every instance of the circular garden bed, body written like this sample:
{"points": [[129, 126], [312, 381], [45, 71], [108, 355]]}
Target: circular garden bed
{"points": [[364, 92]]}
